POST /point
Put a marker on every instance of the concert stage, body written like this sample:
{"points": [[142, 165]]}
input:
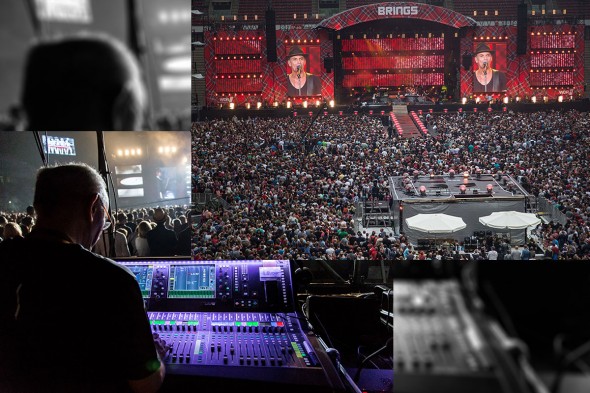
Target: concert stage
{"points": [[206, 113], [466, 196]]}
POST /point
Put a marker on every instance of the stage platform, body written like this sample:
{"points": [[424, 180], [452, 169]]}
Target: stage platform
{"points": [[209, 113], [444, 187], [424, 194]]}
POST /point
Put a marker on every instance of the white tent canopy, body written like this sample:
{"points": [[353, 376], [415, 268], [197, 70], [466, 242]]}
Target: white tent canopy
{"points": [[510, 220], [435, 223]]}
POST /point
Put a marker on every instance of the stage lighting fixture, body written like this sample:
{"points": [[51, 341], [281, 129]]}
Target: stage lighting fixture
{"points": [[305, 104], [331, 103], [288, 104], [560, 98], [506, 100]]}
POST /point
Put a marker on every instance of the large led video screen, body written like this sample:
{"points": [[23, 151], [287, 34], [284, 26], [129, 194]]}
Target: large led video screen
{"points": [[303, 70], [489, 67]]}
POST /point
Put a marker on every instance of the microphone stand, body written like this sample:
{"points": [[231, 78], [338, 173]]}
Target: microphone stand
{"points": [[485, 77], [299, 79]]}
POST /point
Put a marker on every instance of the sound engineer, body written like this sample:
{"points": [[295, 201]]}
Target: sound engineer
{"points": [[86, 81], [72, 320]]}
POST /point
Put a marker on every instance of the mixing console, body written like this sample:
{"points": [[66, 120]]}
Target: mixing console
{"points": [[429, 316], [234, 339], [439, 345], [231, 320], [185, 285]]}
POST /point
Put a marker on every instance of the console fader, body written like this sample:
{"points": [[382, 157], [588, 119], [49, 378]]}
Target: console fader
{"points": [[254, 339], [231, 319]]}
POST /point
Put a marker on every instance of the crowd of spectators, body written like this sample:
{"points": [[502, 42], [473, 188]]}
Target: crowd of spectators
{"points": [[145, 232], [545, 151], [290, 190]]}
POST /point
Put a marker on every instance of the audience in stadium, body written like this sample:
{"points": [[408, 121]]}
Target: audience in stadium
{"points": [[141, 219], [282, 193]]}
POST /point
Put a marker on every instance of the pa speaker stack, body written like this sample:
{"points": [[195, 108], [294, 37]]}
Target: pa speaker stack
{"points": [[521, 24], [271, 36]]}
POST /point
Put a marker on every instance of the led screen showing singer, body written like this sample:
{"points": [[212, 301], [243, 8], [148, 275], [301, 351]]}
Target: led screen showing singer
{"points": [[301, 83], [487, 79]]}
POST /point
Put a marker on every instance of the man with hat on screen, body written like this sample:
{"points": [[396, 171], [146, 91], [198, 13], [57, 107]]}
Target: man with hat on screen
{"points": [[487, 79], [301, 83]]}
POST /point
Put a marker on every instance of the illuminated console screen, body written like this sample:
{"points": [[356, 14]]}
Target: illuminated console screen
{"points": [[143, 275], [191, 282]]}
